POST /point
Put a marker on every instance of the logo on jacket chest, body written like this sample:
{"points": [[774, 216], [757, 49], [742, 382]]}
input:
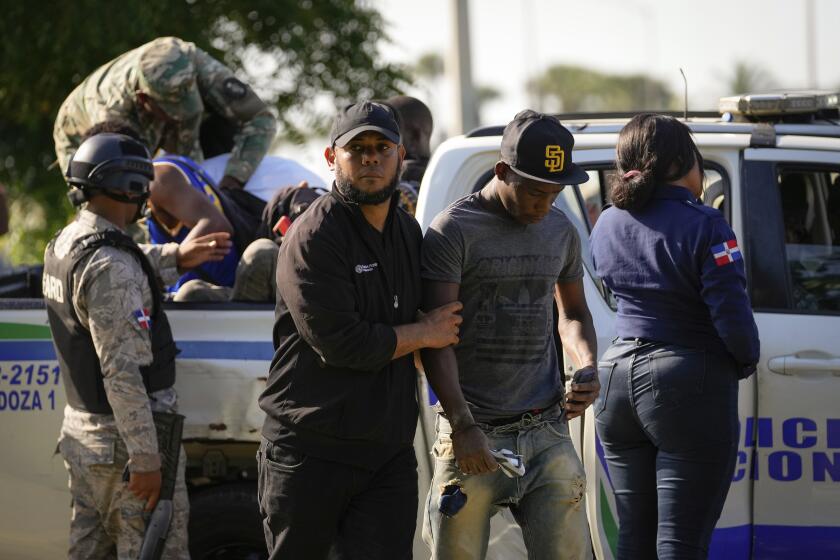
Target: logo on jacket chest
{"points": [[362, 268]]}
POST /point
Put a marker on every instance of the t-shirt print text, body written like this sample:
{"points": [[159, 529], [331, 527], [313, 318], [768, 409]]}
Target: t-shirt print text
{"points": [[519, 266], [362, 268]]}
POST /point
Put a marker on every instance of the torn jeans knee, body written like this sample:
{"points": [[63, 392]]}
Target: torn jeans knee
{"points": [[452, 499]]}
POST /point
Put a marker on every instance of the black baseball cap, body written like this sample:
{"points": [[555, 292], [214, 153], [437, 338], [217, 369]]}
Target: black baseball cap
{"points": [[354, 119], [537, 146]]}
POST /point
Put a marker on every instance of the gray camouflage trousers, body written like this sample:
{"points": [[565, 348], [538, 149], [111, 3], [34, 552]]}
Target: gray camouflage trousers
{"points": [[255, 280], [107, 520]]}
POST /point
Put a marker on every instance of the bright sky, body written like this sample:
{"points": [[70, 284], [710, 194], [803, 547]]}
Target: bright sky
{"points": [[514, 40]]}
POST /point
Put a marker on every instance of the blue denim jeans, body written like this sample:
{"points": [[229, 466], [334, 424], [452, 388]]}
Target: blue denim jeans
{"points": [[547, 502], [667, 417]]}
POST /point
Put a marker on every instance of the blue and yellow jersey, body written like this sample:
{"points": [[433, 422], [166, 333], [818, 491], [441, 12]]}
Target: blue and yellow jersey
{"points": [[221, 273]]}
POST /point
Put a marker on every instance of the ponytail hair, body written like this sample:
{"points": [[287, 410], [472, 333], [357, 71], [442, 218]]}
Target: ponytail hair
{"points": [[652, 150]]}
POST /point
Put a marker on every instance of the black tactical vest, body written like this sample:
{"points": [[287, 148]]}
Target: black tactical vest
{"points": [[73, 344]]}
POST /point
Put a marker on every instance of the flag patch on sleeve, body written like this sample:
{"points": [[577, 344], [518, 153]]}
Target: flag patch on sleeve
{"points": [[727, 252], [143, 318]]}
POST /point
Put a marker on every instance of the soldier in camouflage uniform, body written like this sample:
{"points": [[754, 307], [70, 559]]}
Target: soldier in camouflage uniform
{"points": [[164, 89], [116, 356]]}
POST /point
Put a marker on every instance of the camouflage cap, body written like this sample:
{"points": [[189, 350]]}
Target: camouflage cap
{"points": [[168, 75]]}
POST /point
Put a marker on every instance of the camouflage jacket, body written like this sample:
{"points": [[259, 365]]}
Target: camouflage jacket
{"points": [[109, 93], [108, 286]]}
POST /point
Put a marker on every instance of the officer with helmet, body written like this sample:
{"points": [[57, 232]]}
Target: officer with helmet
{"points": [[116, 350]]}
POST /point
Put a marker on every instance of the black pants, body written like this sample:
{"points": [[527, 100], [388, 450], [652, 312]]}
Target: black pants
{"points": [[315, 509], [667, 417]]}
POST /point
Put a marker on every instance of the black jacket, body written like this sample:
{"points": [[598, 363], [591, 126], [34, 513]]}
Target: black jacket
{"points": [[341, 287]]}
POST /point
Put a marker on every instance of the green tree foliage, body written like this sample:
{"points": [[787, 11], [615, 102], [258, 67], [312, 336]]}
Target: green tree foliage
{"points": [[292, 51], [575, 89], [486, 94], [429, 69], [429, 66], [748, 78]]}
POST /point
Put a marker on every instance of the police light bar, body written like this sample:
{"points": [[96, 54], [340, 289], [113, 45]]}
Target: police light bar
{"points": [[784, 103]]}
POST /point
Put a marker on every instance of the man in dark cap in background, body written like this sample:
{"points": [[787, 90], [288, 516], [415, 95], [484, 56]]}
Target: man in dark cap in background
{"points": [[416, 125]]}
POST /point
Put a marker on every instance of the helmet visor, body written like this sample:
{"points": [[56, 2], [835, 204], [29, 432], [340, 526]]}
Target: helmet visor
{"points": [[129, 184]]}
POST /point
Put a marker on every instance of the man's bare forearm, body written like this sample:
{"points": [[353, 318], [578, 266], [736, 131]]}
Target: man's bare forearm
{"points": [[208, 225], [441, 369], [579, 339], [440, 364]]}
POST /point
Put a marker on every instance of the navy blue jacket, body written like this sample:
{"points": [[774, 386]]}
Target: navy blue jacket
{"points": [[677, 275]]}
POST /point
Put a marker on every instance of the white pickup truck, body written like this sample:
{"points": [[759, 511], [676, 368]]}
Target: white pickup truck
{"points": [[225, 351], [777, 183]]}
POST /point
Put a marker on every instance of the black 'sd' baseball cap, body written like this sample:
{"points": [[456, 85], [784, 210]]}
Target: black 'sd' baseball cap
{"points": [[354, 119], [537, 146]]}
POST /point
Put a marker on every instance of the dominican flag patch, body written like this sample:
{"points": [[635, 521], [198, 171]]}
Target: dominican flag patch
{"points": [[726, 252], [143, 318]]}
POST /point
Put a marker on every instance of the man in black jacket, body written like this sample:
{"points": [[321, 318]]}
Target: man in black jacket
{"points": [[336, 466]]}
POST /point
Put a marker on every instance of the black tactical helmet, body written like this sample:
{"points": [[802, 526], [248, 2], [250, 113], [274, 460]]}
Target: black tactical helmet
{"points": [[111, 164]]}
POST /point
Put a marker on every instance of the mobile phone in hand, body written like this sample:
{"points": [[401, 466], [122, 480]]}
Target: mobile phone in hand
{"points": [[585, 375]]}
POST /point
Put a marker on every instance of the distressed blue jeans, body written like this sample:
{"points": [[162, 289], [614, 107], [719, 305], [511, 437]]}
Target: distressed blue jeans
{"points": [[667, 417], [547, 502]]}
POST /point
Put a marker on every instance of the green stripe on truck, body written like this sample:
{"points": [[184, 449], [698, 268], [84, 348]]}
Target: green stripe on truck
{"points": [[608, 522], [23, 331]]}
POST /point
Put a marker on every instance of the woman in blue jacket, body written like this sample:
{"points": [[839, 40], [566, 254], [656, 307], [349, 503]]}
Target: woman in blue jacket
{"points": [[668, 411]]}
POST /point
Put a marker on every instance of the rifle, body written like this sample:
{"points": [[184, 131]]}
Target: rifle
{"points": [[169, 428]]}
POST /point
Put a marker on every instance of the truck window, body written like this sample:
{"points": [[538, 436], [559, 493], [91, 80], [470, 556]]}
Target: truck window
{"points": [[568, 202], [714, 191], [810, 200], [595, 193], [582, 204]]}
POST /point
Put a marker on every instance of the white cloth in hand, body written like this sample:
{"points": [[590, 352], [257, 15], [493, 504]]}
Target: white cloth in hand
{"points": [[511, 463]]}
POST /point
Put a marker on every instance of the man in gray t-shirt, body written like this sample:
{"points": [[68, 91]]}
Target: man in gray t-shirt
{"points": [[508, 255], [506, 272]]}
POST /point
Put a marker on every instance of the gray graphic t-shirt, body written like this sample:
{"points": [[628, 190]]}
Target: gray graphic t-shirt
{"points": [[507, 360]]}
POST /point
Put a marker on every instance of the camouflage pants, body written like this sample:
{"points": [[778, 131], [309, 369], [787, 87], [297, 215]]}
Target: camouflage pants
{"points": [[255, 280], [107, 520]]}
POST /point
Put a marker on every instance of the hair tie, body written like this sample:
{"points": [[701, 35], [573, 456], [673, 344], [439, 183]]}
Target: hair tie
{"points": [[632, 174]]}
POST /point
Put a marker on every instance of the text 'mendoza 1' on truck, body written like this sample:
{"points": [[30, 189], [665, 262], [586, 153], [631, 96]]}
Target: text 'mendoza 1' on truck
{"points": [[772, 166]]}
